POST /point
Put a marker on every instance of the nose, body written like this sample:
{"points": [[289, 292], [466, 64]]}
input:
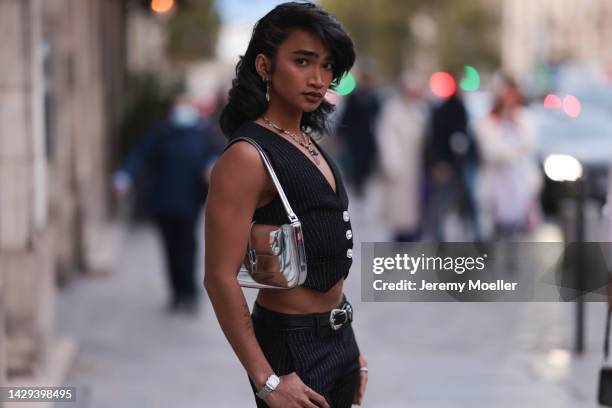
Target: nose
{"points": [[316, 79]]}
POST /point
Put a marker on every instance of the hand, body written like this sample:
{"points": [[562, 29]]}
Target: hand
{"points": [[363, 380], [293, 393], [122, 183]]}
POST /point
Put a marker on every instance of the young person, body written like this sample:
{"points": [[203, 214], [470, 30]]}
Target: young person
{"points": [[292, 354], [507, 142]]}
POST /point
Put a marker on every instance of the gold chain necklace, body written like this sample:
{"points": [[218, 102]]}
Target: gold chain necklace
{"points": [[304, 141]]}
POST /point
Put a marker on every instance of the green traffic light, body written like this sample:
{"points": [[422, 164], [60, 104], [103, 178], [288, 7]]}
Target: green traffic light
{"points": [[471, 81], [347, 85]]}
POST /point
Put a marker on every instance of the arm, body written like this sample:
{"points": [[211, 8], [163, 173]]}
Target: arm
{"points": [[495, 149], [389, 141], [137, 159], [529, 136], [238, 183], [492, 148], [143, 152]]}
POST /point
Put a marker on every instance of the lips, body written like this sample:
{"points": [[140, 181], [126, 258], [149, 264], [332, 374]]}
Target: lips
{"points": [[313, 96]]}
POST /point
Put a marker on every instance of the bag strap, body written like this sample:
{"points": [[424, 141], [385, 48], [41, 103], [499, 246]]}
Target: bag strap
{"points": [[607, 336], [264, 157]]}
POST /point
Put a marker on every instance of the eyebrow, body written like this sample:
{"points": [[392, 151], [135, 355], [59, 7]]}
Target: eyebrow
{"points": [[309, 53]]}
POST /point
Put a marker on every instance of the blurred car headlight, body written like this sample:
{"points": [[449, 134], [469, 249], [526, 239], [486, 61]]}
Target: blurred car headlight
{"points": [[562, 167]]}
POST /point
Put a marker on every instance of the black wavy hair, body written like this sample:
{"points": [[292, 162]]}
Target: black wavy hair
{"points": [[247, 97]]}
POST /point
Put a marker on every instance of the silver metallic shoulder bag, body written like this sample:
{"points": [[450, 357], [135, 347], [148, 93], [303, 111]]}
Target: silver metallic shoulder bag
{"points": [[275, 256]]}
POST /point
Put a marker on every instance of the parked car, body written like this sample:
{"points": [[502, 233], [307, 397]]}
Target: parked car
{"points": [[587, 138]]}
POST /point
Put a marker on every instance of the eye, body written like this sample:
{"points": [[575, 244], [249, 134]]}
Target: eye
{"points": [[328, 66], [301, 62]]}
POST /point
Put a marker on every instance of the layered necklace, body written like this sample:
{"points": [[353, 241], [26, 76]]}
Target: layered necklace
{"points": [[302, 139]]}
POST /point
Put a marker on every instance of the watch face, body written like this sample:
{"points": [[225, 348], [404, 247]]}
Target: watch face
{"points": [[274, 381]]}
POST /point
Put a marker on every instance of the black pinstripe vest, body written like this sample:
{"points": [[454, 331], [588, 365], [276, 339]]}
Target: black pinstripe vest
{"points": [[328, 236]]}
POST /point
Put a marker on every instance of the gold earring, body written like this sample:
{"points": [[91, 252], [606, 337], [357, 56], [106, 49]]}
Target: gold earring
{"points": [[268, 89]]}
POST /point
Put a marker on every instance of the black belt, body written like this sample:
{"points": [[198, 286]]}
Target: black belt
{"points": [[334, 319]]}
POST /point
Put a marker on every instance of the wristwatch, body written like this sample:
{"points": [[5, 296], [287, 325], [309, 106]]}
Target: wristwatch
{"points": [[271, 384]]}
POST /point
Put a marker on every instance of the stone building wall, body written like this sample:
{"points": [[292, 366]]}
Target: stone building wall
{"points": [[61, 69], [24, 245]]}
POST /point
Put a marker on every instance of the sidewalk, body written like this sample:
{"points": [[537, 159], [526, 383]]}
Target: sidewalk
{"points": [[429, 355], [132, 354]]}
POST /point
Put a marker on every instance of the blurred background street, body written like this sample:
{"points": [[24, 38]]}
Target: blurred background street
{"points": [[462, 120], [433, 355]]}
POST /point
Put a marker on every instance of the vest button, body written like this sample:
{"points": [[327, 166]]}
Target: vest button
{"points": [[349, 253], [349, 234], [345, 216]]}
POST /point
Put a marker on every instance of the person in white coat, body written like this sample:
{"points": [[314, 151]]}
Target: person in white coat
{"points": [[400, 135], [510, 178]]}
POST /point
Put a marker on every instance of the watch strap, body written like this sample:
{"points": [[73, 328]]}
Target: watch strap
{"points": [[270, 385]]}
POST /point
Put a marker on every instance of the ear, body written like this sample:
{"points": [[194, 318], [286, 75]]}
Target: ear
{"points": [[263, 66]]}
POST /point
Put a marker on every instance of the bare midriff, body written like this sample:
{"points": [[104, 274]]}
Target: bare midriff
{"points": [[301, 300]]}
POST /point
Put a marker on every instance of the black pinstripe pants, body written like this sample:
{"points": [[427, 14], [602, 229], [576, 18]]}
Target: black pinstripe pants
{"points": [[324, 359]]}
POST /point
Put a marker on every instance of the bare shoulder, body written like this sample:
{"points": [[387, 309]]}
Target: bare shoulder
{"points": [[239, 169]]}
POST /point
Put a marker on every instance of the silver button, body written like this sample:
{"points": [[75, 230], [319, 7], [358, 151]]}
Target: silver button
{"points": [[349, 234], [345, 216], [349, 253]]}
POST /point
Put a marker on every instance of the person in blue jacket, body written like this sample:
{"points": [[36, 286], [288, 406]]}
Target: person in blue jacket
{"points": [[178, 154]]}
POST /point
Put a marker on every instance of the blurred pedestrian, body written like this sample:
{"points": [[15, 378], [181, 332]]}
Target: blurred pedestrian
{"points": [[400, 134], [178, 154], [451, 163], [356, 129], [511, 180]]}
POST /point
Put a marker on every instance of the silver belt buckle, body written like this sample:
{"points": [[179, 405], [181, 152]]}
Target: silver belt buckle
{"points": [[332, 320], [346, 310]]}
